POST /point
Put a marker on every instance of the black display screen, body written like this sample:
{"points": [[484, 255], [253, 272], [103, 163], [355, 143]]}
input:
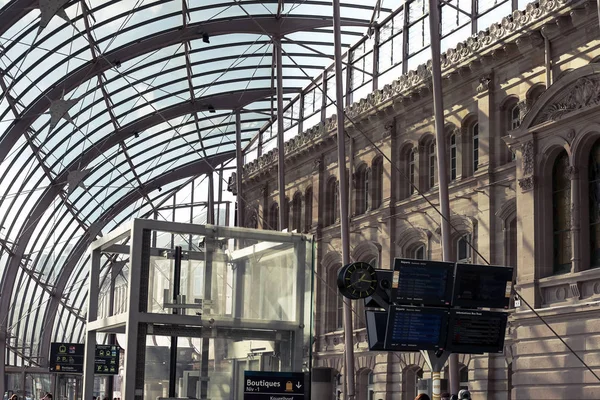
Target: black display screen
{"points": [[476, 332], [414, 329], [422, 282], [482, 286]]}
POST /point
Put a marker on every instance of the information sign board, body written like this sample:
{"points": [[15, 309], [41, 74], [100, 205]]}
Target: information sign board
{"points": [[376, 328], [416, 328], [68, 358], [261, 385], [422, 282], [482, 286], [476, 332], [107, 360]]}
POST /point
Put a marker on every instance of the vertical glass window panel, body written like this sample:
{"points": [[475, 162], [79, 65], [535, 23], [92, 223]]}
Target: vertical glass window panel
{"points": [[453, 157], [297, 212], [561, 214], [417, 9], [386, 56], [432, 179], [594, 200], [515, 117], [411, 172], [475, 133], [418, 36]]}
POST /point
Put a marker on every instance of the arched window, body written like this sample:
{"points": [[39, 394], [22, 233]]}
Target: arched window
{"points": [[463, 250], [412, 172], [297, 213], [365, 385], [274, 217], [371, 386], [431, 159], [561, 214], [594, 199], [452, 157], [475, 134], [377, 183], [308, 206]]}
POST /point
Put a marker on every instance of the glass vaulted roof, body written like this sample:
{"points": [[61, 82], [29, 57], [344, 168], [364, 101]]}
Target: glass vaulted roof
{"points": [[111, 110]]}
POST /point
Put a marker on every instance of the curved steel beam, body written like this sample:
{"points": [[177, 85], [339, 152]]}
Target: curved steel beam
{"points": [[194, 168], [257, 25]]}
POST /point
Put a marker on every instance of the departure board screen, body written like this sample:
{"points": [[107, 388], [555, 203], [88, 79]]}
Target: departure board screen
{"points": [[476, 332], [414, 329], [482, 286], [422, 282]]}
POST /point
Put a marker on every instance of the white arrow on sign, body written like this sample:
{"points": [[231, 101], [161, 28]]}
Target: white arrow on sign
{"points": [[298, 385]]}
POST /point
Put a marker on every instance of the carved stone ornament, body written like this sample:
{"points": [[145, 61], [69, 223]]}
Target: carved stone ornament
{"points": [[232, 184], [316, 165], [485, 83], [584, 93], [526, 184], [388, 129], [528, 159]]}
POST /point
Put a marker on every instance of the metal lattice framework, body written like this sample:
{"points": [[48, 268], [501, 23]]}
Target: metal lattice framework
{"points": [[109, 108]]}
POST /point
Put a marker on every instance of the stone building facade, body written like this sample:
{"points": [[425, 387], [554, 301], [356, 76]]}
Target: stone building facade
{"points": [[522, 131]]}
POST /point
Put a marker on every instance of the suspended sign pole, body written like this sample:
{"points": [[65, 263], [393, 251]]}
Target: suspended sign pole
{"points": [[343, 197], [438, 108]]}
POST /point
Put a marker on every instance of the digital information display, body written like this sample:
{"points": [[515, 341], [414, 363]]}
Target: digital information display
{"points": [[107, 360], [422, 282], [68, 358], [261, 385], [482, 286], [413, 329], [476, 332], [376, 328]]}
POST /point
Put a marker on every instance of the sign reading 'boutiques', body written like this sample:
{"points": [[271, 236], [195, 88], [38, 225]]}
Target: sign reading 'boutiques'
{"points": [[260, 385]]}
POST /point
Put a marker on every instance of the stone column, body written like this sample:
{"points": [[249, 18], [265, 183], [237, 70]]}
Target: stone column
{"points": [[575, 177], [485, 119]]}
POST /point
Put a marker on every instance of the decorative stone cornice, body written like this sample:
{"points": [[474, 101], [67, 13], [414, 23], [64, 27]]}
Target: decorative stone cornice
{"points": [[485, 83], [409, 86]]}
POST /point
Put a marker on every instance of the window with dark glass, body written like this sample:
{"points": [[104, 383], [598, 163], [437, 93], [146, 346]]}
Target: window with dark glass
{"points": [[594, 200], [376, 185], [308, 205], [453, 157], [419, 253], [274, 217], [366, 190], [561, 214], [297, 213], [431, 165], [411, 171], [475, 131], [286, 214], [332, 206], [463, 249], [336, 201]]}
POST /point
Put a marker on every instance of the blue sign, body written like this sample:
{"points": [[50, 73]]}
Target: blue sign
{"points": [[261, 385]]}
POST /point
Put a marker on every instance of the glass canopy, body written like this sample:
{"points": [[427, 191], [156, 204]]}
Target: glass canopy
{"points": [[111, 110]]}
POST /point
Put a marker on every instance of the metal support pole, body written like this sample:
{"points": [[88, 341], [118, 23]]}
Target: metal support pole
{"points": [[211, 199], [238, 168], [438, 107], [280, 141], [176, 291], [344, 223]]}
